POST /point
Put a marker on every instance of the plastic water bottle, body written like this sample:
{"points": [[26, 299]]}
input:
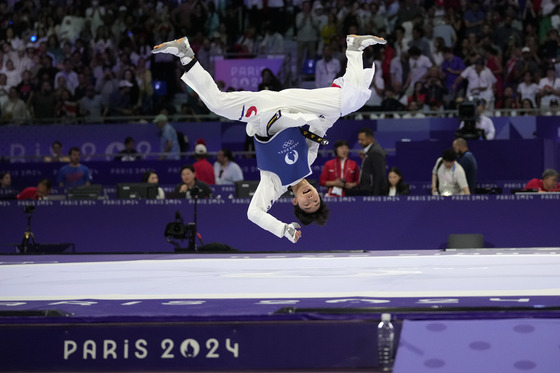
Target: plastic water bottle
{"points": [[385, 343]]}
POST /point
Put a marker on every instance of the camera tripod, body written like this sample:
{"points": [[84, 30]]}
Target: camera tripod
{"points": [[28, 243]]}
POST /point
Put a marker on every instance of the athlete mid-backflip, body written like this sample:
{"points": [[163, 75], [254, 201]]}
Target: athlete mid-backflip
{"points": [[285, 152]]}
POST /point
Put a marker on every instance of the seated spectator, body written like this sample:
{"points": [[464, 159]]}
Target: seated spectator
{"points": [[413, 111], [527, 89], [417, 95], [14, 110], [42, 190], [5, 180], [226, 171], [204, 170], [340, 174], [129, 153], [56, 153], [42, 104], [67, 106], [150, 176], [433, 88], [482, 123], [74, 174], [549, 88], [190, 185], [527, 107], [448, 177], [396, 185], [121, 100], [269, 81], [548, 183], [553, 109]]}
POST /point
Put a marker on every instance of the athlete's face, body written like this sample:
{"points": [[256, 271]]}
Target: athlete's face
{"points": [[307, 198]]}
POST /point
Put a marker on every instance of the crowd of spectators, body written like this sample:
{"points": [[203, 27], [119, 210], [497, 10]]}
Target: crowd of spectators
{"points": [[91, 61]]}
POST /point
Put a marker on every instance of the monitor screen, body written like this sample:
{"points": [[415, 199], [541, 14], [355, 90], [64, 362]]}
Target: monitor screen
{"points": [[137, 191]]}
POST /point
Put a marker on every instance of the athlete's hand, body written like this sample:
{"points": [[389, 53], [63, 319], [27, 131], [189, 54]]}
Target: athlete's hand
{"points": [[292, 231]]}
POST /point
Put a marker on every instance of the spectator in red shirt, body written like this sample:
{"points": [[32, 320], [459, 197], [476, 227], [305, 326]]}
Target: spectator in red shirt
{"points": [[203, 169], [548, 183], [341, 173], [39, 192]]}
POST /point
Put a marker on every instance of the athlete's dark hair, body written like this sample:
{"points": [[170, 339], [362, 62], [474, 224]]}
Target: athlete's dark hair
{"points": [[320, 216]]}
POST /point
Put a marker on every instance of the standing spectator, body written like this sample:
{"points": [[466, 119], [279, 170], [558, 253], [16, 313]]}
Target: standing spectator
{"points": [[526, 63], [372, 174], [129, 153], [326, 69], [396, 185], [26, 86], [69, 74], [452, 66], [467, 160], [144, 78], [42, 190], [12, 74], [91, 106], [549, 88], [203, 169], [169, 143], [74, 174], [473, 17], [226, 171], [448, 176], [273, 41], [42, 104], [548, 183], [341, 173], [307, 34], [419, 65], [14, 109], [480, 82], [67, 107]]}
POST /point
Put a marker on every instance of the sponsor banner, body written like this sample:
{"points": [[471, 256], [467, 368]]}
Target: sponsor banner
{"points": [[245, 74], [188, 346]]}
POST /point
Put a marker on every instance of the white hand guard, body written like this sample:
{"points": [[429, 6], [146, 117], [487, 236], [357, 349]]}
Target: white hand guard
{"points": [[290, 231]]}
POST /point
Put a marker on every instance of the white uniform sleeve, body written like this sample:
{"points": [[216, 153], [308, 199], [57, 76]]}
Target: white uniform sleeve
{"points": [[268, 191]]}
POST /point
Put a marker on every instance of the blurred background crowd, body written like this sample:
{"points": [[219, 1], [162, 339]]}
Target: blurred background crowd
{"points": [[79, 62]]}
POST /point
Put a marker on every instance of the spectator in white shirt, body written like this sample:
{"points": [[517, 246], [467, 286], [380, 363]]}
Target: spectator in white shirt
{"points": [[326, 69]]}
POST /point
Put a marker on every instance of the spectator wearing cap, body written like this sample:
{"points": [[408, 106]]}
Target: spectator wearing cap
{"points": [[169, 143], [121, 102], [548, 183], [549, 88], [527, 63], [203, 169], [480, 83]]}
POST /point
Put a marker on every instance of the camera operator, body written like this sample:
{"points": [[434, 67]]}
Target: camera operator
{"points": [[191, 186], [483, 125]]}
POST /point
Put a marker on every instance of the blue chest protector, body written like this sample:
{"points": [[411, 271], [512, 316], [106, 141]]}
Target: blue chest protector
{"points": [[285, 154]]}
